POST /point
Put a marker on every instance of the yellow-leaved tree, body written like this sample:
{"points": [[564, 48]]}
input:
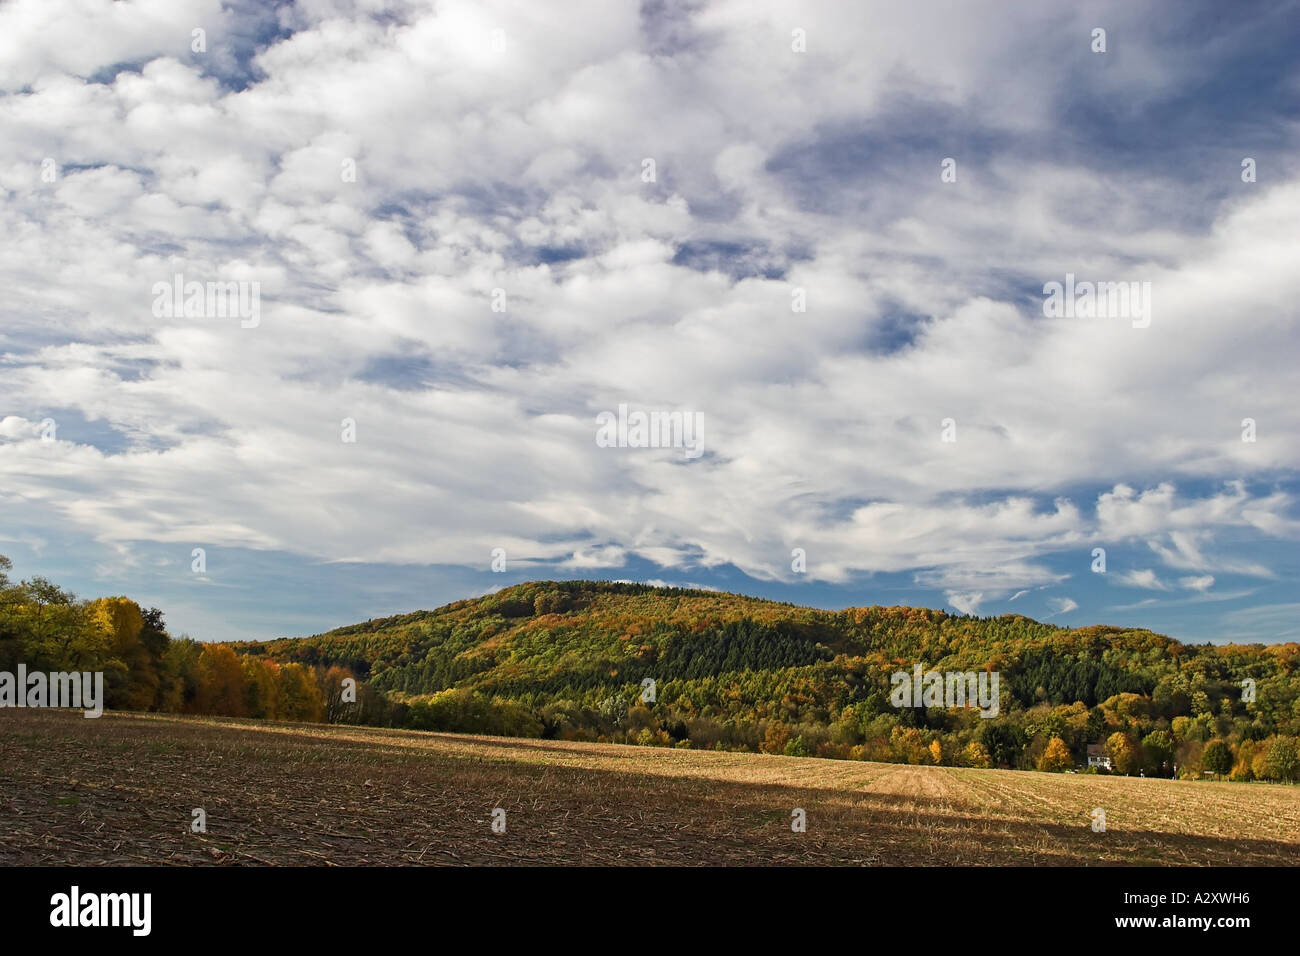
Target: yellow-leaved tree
{"points": [[130, 671], [221, 688], [975, 755], [300, 696], [1056, 757], [1125, 756], [777, 736], [262, 691]]}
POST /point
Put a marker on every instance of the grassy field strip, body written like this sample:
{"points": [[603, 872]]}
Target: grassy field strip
{"points": [[805, 772]]}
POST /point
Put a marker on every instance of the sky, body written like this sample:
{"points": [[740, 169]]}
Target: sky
{"points": [[823, 234]]}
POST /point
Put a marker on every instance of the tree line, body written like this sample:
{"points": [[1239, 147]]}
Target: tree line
{"points": [[627, 663], [49, 629]]}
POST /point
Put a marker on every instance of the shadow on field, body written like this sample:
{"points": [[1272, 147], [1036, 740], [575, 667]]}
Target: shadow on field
{"points": [[124, 790]]}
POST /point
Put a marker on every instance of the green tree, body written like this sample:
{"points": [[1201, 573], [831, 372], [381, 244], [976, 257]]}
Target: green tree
{"points": [[55, 631], [179, 682], [1158, 753], [1003, 741], [796, 747], [1217, 757], [1279, 760]]}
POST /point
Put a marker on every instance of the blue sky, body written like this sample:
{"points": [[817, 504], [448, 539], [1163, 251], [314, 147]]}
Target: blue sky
{"points": [[501, 269]]}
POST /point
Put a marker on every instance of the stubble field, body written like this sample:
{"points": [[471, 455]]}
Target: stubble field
{"points": [[122, 790]]}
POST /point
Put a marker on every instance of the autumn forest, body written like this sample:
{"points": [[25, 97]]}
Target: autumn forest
{"points": [[665, 667]]}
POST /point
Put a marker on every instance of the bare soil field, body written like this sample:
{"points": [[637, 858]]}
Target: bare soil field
{"points": [[121, 790]]}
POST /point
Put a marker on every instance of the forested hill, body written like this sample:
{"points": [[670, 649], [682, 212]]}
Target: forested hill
{"points": [[571, 659], [574, 636], [627, 663]]}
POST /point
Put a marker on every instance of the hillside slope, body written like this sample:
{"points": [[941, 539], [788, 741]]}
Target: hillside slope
{"points": [[572, 660]]}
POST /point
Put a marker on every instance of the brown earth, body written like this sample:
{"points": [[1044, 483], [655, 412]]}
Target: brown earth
{"points": [[121, 790]]}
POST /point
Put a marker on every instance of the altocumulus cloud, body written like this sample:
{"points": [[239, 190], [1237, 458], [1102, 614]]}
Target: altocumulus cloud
{"points": [[382, 168]]}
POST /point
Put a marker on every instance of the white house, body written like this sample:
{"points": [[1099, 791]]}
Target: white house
{"points": [[1097, 756]]}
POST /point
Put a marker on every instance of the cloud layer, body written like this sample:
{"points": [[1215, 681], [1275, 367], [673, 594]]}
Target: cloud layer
{"points": [[457, 247]]}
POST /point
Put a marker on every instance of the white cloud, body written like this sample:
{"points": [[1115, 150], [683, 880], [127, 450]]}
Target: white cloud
{"points": [[965, 603], [1059, 606], [610, 557], [14, 427], [521, 171], [1142, 578]]}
